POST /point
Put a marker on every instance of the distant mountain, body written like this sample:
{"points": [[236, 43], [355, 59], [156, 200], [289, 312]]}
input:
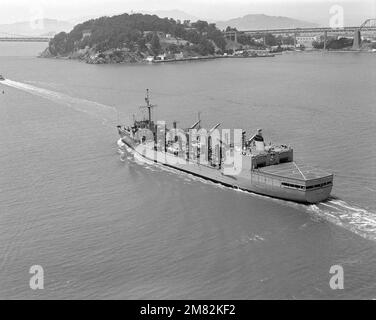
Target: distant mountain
{"points": [[36, 28], [262, 21], [174, 14]]}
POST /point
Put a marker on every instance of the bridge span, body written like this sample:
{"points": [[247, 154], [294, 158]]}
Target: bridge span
{"points": [[25, 39], [367, 26], [10, 37], [303, 30]]}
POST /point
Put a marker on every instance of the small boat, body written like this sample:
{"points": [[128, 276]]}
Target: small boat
{"points": [[1, 78]]}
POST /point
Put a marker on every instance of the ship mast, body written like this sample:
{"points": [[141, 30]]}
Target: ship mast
{"points": [[149, 106]]}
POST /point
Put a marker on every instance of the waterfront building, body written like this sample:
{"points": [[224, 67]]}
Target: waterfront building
{"points": [[306, 41]]}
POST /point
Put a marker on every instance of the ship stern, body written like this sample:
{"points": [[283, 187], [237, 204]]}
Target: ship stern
{"points": [[318, 190]]}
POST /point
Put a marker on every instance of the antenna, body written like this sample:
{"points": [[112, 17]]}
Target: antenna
{"points": [[174, 124], [215, 127], [197, 124], [149, 106]]}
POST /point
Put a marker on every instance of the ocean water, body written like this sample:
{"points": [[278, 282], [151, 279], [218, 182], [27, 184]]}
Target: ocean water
{"points": [[107, 227]]}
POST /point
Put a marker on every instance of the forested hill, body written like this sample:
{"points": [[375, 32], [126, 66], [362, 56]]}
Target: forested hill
{"points": [[139, 35]]}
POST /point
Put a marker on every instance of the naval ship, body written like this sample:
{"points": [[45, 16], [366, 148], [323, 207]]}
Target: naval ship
{"points": [[268, 170]]}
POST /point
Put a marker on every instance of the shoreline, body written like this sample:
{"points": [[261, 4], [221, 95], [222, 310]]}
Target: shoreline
{"points": [[334, 51], [209, 58], [203, 58], [197, 58]]}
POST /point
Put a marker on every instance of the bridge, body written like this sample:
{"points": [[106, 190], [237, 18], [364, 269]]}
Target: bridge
{"points": [[8, 37], [368, 26]]}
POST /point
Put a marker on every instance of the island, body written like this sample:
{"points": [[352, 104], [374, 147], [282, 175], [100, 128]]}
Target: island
{"points": [[128, 38]]}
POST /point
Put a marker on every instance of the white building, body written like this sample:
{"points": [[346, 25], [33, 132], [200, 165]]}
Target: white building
{"points": [[306, 40], [161, 57], [86, 34]]}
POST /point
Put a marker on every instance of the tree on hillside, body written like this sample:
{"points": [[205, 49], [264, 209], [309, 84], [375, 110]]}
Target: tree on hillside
{"points": [[141, 43], [205, 47], [230, 29], [270, 40], [193, 36], [173, 48], [340, 43], [58, 45], [133, 31], [201, 26], [155, 44], [245, 39], [217, 36], [333, 44]]}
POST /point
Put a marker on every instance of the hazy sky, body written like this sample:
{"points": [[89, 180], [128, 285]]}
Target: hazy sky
{"points": [[355, 11]]}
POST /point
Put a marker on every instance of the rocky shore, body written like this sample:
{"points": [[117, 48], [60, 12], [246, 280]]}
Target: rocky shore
{"points": [[90, 56]]}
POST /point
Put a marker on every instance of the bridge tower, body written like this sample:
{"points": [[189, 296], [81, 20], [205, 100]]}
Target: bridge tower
{"points": [[325, 39], [369, 23], [357, 40]]}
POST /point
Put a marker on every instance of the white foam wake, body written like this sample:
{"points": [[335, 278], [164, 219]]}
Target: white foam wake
{"points": [[351, 217], [105, 113]]}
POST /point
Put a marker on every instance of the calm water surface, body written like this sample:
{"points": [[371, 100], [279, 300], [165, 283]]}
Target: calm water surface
{"points": [[106, 228]]}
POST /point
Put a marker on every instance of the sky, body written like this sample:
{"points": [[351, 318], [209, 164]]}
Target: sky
{"points": [[318, 11]]}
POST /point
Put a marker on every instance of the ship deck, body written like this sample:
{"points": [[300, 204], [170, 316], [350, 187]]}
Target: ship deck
{"points": [[295, 171]]}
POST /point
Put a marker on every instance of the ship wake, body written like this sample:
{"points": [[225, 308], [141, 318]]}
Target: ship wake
{"points": [[351, 217], [105, 113]]}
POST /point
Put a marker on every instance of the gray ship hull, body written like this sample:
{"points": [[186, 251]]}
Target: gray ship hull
{"points": [[283, 185]]}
